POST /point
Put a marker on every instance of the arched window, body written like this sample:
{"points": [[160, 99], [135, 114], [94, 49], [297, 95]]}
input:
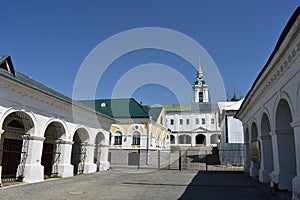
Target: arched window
{"points": [[118, 138], [136, 138]]}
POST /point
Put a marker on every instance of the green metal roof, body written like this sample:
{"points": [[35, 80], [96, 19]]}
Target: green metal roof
{"points": [[154, 112], [118, 108]]}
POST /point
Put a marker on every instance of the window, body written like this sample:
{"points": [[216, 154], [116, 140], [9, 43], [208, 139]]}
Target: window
{"points": [[203, 120], [172, 121], [187, 121], [118, 138], [197, 121], [212, 120], [180, 121], [136, 139]]}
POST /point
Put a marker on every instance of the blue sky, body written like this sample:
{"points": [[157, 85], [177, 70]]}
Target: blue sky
{"points": [[48, 40]]}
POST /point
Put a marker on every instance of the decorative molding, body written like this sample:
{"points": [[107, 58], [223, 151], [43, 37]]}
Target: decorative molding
{"points": [[36, 138], [295, 124]]}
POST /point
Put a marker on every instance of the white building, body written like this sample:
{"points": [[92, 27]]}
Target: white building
{"points": [[271, 115], [38, 135], [231, 128], [194, 124]]}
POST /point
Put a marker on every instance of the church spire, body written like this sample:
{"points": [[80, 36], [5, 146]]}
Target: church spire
{"points": [[200, 87]]}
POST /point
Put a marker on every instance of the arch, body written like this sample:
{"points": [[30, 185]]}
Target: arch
{"points": [[80, 140], [99, 143], [265, 127], [54, 134], [247, 136], [172, 139], [14, 110], [118, 140], [136, 138], [285, 142], [14, 143], [136, 127], [279, 98], [184, 139], [267, 163], [62, 125], [200, 139], [215, 139], [254, 132]]}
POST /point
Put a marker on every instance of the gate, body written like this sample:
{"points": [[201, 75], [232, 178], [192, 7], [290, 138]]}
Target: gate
{"points": [[227, 158], [11, 156], [47, 158], [78, 158]]}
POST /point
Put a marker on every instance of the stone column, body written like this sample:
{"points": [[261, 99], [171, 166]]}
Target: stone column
{"points": [[104, 163], [266, 165], [207, 139], [89, 165], [193, 139], [32, 171], [296, 179], [1, 132], [254, 163], [65, 169], [247, 157]]}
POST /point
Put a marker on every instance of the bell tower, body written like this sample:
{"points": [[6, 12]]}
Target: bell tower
{"points": [[200, 88]]}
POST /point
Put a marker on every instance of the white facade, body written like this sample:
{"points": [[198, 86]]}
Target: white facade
{"points": [[231, 128], [194, 127], [38, 132], [197, 123], [271, 115]]}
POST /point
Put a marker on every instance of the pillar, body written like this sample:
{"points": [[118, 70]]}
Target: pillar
{"points": [[247, 157], [296, 179], [32, 171], [266, 165], [89, 165], [65, 169], [207, 139], [104, 163], [254, 162], [1, 131]]}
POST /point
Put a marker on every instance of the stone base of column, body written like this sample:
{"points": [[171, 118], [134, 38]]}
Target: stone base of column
{"points": [[296, 188], [33, 173], [283, 179], [89, 168], [65, 170], [104, 166], [264, 175]]}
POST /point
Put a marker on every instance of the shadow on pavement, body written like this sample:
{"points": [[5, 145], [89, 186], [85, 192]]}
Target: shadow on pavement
{"points": [[227, 185]]}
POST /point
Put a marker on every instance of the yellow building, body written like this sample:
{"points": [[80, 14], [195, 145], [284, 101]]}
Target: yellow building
{"points": [[139, 132]]}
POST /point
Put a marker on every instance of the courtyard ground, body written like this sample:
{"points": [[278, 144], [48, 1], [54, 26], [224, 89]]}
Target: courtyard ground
{"points": [[132, 184]]}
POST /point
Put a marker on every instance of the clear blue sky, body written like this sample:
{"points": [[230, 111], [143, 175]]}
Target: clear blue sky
{"points": [[48, 40]]}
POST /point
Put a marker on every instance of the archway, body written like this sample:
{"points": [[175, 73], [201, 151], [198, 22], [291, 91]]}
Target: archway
{"points": [[14, 144], [267, 163], [80, 141], [51, 148], [255, 151], [286, 144], [184, 139], [99, 143], [172, 139], [200, 140]]}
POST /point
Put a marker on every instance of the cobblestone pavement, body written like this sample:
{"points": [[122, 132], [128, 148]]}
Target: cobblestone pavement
{"points": [[122, 184]]}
